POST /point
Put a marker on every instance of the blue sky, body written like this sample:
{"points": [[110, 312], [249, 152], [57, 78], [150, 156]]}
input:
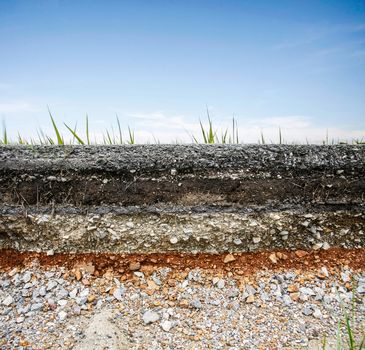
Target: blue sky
{"points": [[299, 65]]}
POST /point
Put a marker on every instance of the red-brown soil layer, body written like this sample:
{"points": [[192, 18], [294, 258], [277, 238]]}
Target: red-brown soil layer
{"points": [[244, 263]]}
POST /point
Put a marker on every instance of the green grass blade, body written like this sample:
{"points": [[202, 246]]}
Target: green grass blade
{"points": [[280, 137], [87, 130], [203, 132], [109, 139], [5, 139], [73, 132], [120, 131], [262, 138], [362, 343], [131, 140], [338, 340], [351, 340], [58, 135], [224, 137]]}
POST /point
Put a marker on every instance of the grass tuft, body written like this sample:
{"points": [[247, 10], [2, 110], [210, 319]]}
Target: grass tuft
{"points": [[60, 140]]}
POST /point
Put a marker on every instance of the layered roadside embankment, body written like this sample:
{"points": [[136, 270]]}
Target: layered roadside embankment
{"points": [[181, 198]]}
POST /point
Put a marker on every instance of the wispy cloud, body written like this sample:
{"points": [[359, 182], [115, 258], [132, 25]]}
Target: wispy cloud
{"points": [[287, 122], [166, 128], [18, 106]]}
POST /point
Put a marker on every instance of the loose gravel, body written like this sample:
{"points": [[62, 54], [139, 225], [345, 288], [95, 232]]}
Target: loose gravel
{"points": [[162, 308]]}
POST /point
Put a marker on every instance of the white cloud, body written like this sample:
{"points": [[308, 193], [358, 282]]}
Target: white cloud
{"points": [[299, 129]]}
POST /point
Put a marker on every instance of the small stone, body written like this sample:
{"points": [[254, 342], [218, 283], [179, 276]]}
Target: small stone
{"points": [[78, 275], [135, 266], [118, 294], [81, 300], [273, 258], [221, 284], [50, 252], [317, 313], [250, 299], [19, 319], [326, 246], [293, 288], [91, 298], [42, 291], [281, 256], [152, 285], [130, 224], [8, 300], [27, 276], [173, 172], [62, 315], [166, 325], [174, 240], [150, 317], [237, 241], [229, 258], [307, 291], [307, 311], [287, 299], [215, 280], [301, 253], [73, 293], [233, 293], [62, 302], [361, 289], [36, 307], [294, 296], [256, 240], [345, 276], [317, 246], [196, 304], [84, 293], [51, 285]]}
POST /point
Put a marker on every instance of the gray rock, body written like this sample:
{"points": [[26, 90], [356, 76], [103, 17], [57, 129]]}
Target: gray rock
{"points": [[345, 276], [317, 313], [307, 311], [307, 291], [84, 293], [36, 307], [27, 276], [42, 291], [81, 300], [221, 283], [250, 290], [62, 315], [166, 325], [117, 294], [62, 302], [233, 292], [196, 304], [150, 317], [73, 293], [63, 293], [51, 285], [8, 300], [287, 300], [361, 289]]}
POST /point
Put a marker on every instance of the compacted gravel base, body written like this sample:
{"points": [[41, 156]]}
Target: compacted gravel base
{"points": [[154, 307]]}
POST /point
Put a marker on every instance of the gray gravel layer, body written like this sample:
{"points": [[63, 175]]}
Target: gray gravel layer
{"points": [[167, 309], [157, 158]]}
